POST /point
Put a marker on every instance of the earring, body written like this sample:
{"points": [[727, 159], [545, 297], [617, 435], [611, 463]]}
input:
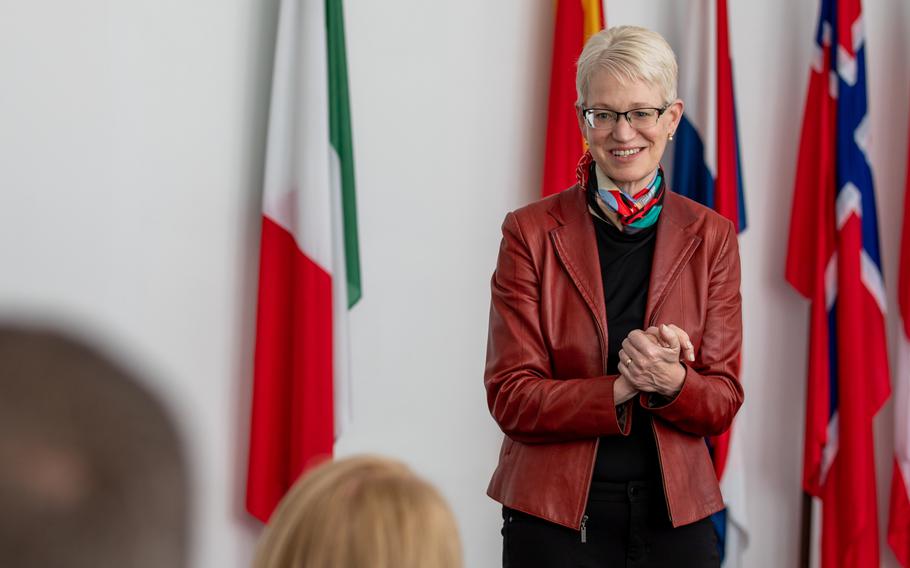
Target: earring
{"points": [[671, 136]]}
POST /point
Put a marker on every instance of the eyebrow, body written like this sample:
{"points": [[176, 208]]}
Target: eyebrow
{"points": [[631, 107]]}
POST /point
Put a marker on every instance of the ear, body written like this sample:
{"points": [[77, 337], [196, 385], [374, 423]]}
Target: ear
{"points": [[675, 112]]}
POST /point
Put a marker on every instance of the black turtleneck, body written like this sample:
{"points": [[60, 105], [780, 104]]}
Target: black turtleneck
{"points": [[625, 267]]}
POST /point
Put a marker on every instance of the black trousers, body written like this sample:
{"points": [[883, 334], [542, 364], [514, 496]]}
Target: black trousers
{"points": [[627, 527]]}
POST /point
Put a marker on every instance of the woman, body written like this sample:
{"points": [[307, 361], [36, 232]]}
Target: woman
{"points": [[615, 333], [365, 511]]}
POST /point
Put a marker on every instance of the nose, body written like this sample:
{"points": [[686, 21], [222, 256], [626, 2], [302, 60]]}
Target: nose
{"points": [[623, 131]]}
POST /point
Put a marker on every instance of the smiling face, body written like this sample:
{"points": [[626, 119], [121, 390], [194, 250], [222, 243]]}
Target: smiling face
{"points": [[627, 155]]}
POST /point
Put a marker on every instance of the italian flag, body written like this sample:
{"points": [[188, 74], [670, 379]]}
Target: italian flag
{"points": [[309, 275]]}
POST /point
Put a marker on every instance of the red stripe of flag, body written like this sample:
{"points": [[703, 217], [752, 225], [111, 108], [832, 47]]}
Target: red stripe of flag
{"points": [[899, 517], [726, 195], [899, 514], [810, 245], [292, 420], [564, 143]]}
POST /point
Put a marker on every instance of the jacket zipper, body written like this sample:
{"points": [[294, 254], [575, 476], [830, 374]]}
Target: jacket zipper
{"points": [[660, 462], [603, 357]]}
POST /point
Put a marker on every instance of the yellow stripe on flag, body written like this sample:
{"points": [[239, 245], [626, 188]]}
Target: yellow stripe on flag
{"points": [[592, 25], [593, 18]]}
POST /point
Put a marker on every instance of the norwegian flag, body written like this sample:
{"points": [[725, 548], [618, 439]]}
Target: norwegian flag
{"points": [[834, 261], [899, 516]]}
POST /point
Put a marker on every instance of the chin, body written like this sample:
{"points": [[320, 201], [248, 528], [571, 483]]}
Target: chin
{"points": [[622, 175]]}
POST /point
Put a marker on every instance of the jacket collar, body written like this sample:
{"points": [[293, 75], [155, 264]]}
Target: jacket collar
{"points": [[576, 246]]}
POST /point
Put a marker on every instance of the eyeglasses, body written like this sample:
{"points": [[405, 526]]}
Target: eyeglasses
{"points": [[638, 118]]}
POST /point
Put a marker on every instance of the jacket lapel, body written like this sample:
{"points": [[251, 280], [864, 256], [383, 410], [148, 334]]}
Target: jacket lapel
{"points": [[676, 242], [576, 246]]}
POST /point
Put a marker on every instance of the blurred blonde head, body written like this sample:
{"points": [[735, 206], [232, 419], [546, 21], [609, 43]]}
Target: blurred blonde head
{"points": [[361, 512]]}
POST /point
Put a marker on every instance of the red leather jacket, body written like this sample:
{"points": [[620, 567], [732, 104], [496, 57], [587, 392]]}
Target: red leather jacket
{"points": [[546, 358]]}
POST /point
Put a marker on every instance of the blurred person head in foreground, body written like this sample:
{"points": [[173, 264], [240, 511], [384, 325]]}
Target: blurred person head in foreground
{"points": [[362, 511], [92, 472]]}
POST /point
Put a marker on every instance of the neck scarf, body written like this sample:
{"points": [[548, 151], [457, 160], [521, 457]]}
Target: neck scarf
{"points": [[636, 212]]}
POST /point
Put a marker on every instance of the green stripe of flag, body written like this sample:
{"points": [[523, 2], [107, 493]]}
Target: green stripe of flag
{"points": [[340, 138]]}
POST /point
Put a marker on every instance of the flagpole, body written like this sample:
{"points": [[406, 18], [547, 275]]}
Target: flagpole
{"points": [[805, 533]]}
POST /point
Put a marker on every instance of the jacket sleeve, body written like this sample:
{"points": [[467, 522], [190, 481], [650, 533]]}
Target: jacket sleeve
{"points": [[530, 405], [711, 393]]}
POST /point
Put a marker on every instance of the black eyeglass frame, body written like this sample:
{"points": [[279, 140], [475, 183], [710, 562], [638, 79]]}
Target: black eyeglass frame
{"points": [[588, 111]]}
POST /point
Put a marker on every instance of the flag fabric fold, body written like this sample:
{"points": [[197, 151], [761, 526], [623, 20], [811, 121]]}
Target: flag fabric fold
{"points": [[706, 168], [833, 260], [309, 271], [706, 163], [575, 21], [899, 513]]}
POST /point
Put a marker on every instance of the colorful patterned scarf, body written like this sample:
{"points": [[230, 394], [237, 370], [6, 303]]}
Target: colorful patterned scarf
{"points": [[635, 212]]}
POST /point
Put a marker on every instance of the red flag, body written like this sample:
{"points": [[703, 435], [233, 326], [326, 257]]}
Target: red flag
{"points": [[899, 516], [575, 22], [834, 260], [728, 189]]}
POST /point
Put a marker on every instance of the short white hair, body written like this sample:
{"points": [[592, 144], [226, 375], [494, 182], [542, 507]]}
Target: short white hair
{"points": [[628, 53]]}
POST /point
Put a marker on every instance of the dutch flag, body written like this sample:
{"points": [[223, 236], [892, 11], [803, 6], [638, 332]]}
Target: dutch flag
{"points": [[706, 168]]}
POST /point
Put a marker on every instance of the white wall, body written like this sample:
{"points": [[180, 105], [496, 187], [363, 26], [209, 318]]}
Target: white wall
{"points": [[131, 144], [131, 138]]}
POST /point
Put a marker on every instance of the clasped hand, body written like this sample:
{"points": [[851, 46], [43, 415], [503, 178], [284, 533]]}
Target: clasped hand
{"points": [[650, 360]]}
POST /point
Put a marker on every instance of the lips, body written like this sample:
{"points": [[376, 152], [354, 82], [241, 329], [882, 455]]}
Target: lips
{"points": [[625, 152]]}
